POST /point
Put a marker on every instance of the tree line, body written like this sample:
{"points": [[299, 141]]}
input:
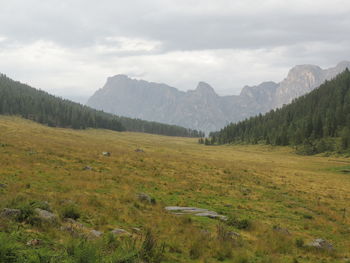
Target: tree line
{"points": [[20, 99], [316, 122]]}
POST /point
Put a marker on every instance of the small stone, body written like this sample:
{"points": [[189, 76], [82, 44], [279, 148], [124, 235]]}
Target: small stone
{"points": [[95, 234], [136, 229], [33, 242], [3, 186], [281, 230], [181, 210], [46, 215], [146, 198], [322, 244], [106, 154], [87, 168], [119, 231], [10, 213], [138, 150], [233, 234]]}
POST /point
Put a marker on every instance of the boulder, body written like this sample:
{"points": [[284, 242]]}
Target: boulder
{"points": [[321, 244], [46, 216], [10, 213]]}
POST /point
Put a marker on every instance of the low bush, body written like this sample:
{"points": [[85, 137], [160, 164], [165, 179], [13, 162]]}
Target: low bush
{"points": [[239, 223], [70, 211]]}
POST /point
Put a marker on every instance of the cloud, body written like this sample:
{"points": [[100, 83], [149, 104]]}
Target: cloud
{"points": [[71, 47]]}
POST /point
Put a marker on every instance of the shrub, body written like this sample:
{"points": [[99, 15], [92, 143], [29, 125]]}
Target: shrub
{"points": [[83, 252], [70, 212], [239, 223], [126, 252], [9, 250], [299, 242], [27, 212], [150, 251]]}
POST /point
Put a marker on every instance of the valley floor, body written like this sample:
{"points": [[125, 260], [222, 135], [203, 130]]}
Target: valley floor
{"points": [[276, 202]]}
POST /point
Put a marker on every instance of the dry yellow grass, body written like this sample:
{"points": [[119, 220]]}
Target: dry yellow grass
{"points": [[268, 185]]}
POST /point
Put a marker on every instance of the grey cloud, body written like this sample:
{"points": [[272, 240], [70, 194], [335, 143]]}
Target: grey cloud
{"points": [[85, 23], [226, 43]]}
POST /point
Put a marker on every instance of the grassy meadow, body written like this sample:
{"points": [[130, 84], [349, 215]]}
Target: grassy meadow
{"points": [[277, 201]]}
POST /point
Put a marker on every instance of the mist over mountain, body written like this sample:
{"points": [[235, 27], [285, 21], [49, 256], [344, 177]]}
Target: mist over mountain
{"points": [[202, 108]]}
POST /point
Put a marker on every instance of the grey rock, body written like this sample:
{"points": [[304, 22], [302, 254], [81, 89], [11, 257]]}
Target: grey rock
{"points": [[87, 168], [138, 150], [322, 244], [202, 108], [46, 216], [3, 186], [183, 210], [233, 234], [95, 234], [119, 231], [75, 228], [145, 198], [74, 223], [281, 230], [10, 213], [33, 242], [136, 229], [107, 154]]}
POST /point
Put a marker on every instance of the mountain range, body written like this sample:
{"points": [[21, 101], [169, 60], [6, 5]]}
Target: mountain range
{"points": [[202, 108]]}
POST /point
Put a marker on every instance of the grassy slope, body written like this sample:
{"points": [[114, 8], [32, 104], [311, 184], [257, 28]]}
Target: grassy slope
{"points": [[269, 186]]}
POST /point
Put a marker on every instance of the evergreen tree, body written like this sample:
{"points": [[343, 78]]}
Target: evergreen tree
{"points": [[316, 121]]}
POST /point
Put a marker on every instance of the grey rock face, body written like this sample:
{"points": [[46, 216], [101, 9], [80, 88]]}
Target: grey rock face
{"points": [[202, 108]]}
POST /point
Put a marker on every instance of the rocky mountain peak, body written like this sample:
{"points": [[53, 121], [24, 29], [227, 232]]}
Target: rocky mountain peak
{"points": [[304, 71], [205, 89], [202, 108]]}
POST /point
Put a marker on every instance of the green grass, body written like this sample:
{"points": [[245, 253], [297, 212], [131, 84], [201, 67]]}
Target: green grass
{"points": [[266, 186]]}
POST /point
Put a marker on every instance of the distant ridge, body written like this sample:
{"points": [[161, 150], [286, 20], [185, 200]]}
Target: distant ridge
{"points": [[202, 108], [20, 99]]}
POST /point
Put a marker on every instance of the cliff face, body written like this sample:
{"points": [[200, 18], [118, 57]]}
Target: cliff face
{"points": [[202, 108]]}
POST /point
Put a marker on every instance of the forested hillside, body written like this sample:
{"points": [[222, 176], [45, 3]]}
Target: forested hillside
{"points": [[316, 122], [20, 99]]}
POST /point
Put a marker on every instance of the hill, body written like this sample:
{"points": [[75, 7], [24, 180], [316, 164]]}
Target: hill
{"points": [[20, 99], [319, 121], [202, 108], [276, 202]]}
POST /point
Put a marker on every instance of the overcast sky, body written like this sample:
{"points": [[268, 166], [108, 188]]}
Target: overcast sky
{"points": [[70, 47]]}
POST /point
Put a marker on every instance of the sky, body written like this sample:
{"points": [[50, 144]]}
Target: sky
{"points": [[70, 47]]}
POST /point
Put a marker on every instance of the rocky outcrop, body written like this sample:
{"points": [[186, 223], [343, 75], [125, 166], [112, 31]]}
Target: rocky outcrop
{"points": [[202, 108]]}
